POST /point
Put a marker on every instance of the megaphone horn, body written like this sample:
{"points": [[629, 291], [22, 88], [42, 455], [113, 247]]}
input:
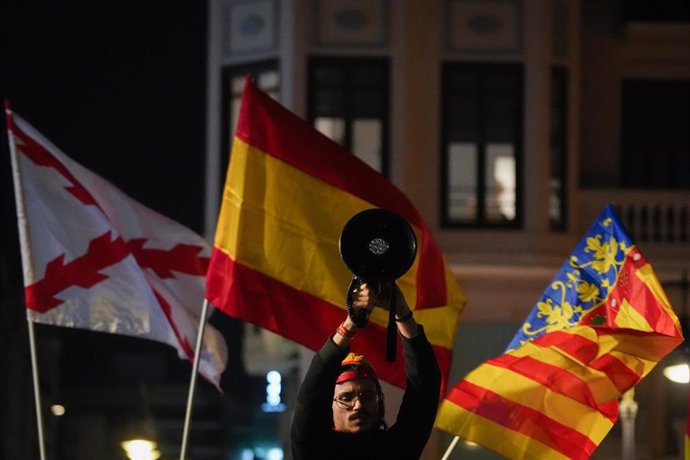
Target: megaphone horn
{"points": [[378, 246]]}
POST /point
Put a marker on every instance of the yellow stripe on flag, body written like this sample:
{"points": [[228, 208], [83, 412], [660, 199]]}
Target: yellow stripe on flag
{"points": [[455, 419], [640, 366], [261, 205], [526, 392], [629, 318], [647, 275], [282, 209], [602, 389], [632, 345]]}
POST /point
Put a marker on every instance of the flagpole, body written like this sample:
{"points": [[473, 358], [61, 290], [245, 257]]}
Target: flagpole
{"points": [[192, 385], [21, 224], [37, 392], [450, 448], [455, 440]]}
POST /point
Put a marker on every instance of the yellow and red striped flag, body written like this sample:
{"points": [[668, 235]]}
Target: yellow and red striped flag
{"points": [[601, 325], [288, 194]]}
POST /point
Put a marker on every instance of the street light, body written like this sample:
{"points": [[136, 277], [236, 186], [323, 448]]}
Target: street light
{"points": [[141, 449], [679, 373], [58, 410], [678, 363]]}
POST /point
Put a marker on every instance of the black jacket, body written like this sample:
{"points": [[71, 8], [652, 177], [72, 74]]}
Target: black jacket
{"points": [[313, 436]]}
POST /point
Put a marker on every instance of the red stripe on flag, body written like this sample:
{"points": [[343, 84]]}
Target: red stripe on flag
{"points": [[531, 423], [555, 379], [305, 320], [586, 351], [578, 347], [266, 125], [640, 297], [620, 375]]}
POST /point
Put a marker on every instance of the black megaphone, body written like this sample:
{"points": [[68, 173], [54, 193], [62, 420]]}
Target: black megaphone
{"points": [[378, 246]]}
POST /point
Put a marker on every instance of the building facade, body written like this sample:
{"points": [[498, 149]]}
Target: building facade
{"points": [[510, 125]]}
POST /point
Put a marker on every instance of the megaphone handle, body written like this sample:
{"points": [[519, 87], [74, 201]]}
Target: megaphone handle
{"points": [[391, 331], [361, 318]]}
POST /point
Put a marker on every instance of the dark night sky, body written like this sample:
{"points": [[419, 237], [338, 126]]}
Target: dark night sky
{"points": [[120, 87], [117, 85]]}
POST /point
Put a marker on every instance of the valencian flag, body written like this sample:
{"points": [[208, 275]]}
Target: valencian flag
{"points": [[95, 259], [601, 325], [275, 262]]}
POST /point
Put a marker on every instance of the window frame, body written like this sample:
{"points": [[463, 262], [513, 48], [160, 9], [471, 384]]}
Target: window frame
{"points": [[229, 73], [516, 71], [642, 126], [348, 65]]}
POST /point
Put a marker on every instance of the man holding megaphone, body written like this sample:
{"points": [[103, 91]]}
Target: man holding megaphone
{"points": [[340, 405]]}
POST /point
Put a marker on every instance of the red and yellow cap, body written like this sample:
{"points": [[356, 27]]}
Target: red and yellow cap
{"points": [[356, 366]]}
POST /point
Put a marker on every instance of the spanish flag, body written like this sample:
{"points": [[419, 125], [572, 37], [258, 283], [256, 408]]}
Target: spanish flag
{"points": [[275, 263], [601, 325]]}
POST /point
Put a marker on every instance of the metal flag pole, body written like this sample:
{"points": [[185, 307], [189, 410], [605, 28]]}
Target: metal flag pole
{"points": [[450, 448], [21, 221], [192, 385], [37, 391], [455, 440]]}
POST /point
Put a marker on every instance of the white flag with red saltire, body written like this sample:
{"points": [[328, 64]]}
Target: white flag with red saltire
{"points": [[93, 258]]}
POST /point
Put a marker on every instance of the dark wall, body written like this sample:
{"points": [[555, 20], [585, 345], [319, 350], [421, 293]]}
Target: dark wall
{"points": [[119, 86]]}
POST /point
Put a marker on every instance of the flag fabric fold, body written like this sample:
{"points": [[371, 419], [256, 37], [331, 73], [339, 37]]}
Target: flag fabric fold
{"points": [[275, 263], [95, 259], [601, 325]]}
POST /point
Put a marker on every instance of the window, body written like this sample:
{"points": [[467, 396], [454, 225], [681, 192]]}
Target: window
{"points": [[348, 102], [670, 11], [656, 145], [266, 77], [481, 134], [558, 153]]}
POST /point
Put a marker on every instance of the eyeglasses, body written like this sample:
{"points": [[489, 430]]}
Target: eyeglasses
{"points": [[347, 399]]}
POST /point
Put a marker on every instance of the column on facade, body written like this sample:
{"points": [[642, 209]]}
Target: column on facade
{"points": [[537, 58]]}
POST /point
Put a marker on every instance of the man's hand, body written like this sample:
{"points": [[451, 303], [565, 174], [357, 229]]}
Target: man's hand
{"points": [[363, 297]]}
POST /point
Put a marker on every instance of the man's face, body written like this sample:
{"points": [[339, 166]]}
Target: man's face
{"points": [[355, 406]]}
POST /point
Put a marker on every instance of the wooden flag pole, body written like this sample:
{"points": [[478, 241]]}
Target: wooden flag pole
{"points": [[192, 385], [37, 391]]}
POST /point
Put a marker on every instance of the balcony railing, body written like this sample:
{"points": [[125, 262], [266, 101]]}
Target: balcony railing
{"points": [[653, 216]]}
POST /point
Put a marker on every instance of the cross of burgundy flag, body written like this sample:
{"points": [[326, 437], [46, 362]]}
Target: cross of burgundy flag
{"points": [[93, 258]]}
